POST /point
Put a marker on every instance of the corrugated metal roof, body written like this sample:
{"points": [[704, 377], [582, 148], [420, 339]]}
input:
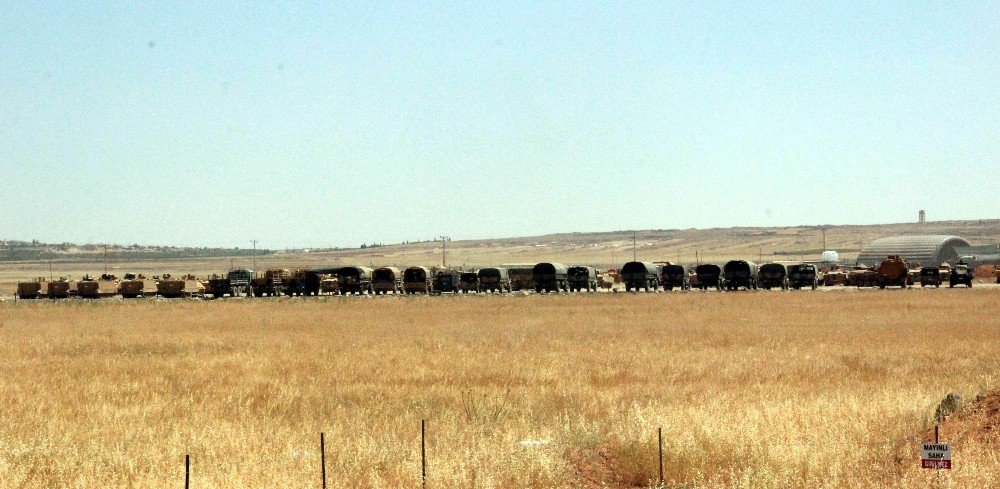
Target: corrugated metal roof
{"points": [[928, 249]]}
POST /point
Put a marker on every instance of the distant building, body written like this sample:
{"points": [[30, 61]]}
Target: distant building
{"points": [[927, 250]]}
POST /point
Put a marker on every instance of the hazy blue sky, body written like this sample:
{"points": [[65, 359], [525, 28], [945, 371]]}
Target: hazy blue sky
{"points": [[337, 124]]}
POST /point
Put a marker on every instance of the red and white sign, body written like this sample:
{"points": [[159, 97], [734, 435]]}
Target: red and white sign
{"points": [[935, 456]]}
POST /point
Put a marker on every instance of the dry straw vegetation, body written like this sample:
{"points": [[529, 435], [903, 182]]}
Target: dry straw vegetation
{"points": [[753, 390]]}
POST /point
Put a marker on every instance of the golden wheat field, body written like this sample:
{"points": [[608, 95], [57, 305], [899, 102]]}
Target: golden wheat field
{"points": [[801, 389]]}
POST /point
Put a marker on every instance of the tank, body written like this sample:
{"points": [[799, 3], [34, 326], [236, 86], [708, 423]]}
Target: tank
{"points": [[675, 276], [582, 278], [169, 287], [893, 271], [468, 282], [417, 280], [930, 276], [354, 280], [387, 280], [640, 275], [495, 279], [709, 275], [961, 274], [740, 273], [862, 276], [803, 275], [772, 275], [446, 281], [88, 288], [57, 289], [550, 277]]}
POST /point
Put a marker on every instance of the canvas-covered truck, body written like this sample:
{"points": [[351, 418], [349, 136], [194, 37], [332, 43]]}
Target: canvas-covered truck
{"points": [[446, 281], [354, 280], [582, 278], [803, 275], [675, 276], [521, 276], [468, 282], [387, 280], [961, 274], [418, 280], [893, 271], [640, 275], [709, 275], [494, 279], [550, 277], [773, 276], [740, 273]]}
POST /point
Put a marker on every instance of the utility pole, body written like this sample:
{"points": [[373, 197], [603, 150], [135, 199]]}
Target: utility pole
{"points": [[444, 251], [254, 241], [633, 246], [824, 237], [105, 259]]}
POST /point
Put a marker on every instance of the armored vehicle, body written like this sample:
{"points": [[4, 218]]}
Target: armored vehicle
{"points": [[550, 277], [893, 271], [29, 290], [417, 280], [960, 275], [930, 276], [803, 275], [773, 275], [740, 273], [270, 283], [640, 275], [835, 276], [57, 289], [672, 275], [169, 287], [354, 280], [862, 276], [582, 278], [709, 275], [494, 280], [386, 280], [521, 277], [131, 286], [446, 280], [468, 282], [88, 288]]}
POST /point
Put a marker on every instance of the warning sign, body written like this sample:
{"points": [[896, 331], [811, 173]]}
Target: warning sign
{"points": [[935, 456]]}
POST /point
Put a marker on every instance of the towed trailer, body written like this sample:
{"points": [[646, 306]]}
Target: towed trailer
{"points": [[740, 273], [773, 275], [417, 280], [550, 277], [672, 276], [640, 275], [495, 279], [709, 275], [354, 280], [582, 278], [386, 280]]}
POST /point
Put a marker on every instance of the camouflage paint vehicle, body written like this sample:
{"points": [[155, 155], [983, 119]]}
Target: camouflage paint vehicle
{"points": [[495, 279], [387, 280], [418, 280], [550, 277], [773, 275], [582, 278]]}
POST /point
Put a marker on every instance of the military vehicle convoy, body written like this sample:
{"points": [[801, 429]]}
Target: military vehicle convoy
{"points": [[550, 277], [893, 271], [640, 275], [740, 273], [495, 279], [961, 274], [709, 275], [418, 280], [354, 280], [772, 275], [672, 276], [387, 280], [803, 275], [582, 278], [468, 282]]}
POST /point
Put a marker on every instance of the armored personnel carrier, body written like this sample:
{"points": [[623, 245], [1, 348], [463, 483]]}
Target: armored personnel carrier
{"points": [[893, 271], [131, 286]]}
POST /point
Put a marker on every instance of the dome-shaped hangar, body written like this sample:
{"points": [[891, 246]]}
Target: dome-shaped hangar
{"points": [[927, 250]]}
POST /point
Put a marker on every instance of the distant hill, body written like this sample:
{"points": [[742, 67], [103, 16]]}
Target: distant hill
{"points": [[11, 251]]}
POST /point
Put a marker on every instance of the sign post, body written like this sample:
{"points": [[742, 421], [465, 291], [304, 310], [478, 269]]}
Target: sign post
{"points": [[935, 455]]}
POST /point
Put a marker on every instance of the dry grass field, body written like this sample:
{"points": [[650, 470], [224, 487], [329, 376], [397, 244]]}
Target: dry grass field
{"points": [[802, 389]]}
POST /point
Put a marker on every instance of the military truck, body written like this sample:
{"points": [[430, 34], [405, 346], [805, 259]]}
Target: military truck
{"points": [[446, 281], [387, 280], [131, 286], [521, 276], [772, 275], [893, 271], [169, 287], [673, 275], [495, 279], [961, 274], [930, 276], [468, 282], [57, 289], [270, 283], [418, 280], [640, 275], [550, 277], [582, 278], [740, 273], [354, 280], [709, 275], [803, 275]]}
